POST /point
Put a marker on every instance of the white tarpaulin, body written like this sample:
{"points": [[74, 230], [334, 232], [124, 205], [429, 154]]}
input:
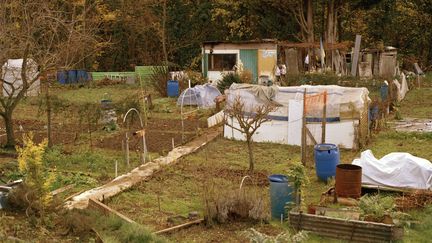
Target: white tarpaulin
{"points": [[13, 83], [396, 170]]}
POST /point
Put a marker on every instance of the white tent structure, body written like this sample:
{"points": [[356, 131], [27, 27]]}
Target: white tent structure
{"points": [[13, 83], [346, 113], [202, 96]]}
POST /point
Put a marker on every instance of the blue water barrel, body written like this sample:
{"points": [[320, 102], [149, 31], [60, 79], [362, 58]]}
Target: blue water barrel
{"points": [[72, 76], [326, 159], [62, 77], [281, 192], [82, 76], [173, 88]]}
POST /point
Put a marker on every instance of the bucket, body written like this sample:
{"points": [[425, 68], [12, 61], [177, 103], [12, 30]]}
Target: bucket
{"points": [[280, 193], [173, 88], [326, 158], [348, 180]]}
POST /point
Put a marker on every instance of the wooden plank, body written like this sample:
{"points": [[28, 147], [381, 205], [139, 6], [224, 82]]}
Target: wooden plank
{"points": [[309, 134], [198, 221], [95, 204], [324, 119], [303, 137], [353, 230], [356, 55], [62, 189]]}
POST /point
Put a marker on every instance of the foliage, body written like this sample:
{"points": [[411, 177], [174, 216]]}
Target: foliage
{"points": [[227, 80], [376, 206], [224, 205], [159, 79], [258, 237], [31, 163], [117, 230], [34, 195], [297, 174]]}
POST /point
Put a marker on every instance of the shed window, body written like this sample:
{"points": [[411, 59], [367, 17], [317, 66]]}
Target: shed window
{"points": [[222, 62]]}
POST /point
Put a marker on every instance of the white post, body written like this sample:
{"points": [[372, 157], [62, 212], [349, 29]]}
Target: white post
{"points": [[189, 83], [127, 150], [172, 141], [116, 167]]}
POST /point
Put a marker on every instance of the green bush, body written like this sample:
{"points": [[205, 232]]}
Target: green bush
{"points": [[227, 80]]}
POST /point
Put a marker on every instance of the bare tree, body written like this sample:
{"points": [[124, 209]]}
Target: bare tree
{"points": [[46, 35], [249, 120]]}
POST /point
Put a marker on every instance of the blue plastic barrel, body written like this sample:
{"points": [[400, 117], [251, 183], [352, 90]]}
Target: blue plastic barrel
{"points": [[82, 76], [281, 192], [72, 76], [62, 77], [326, 159], [173, 88]]}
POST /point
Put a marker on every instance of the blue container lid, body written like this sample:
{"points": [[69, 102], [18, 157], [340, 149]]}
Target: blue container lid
{"points": [[278, 178], [172, 81], [325, 146]]}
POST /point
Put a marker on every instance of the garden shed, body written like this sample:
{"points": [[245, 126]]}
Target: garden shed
{"points": [[346, 113], [13, 83], [258, 57]]}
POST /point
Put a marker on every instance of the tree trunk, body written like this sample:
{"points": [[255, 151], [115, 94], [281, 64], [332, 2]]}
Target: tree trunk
{"points": [[48, 111], [251, 158], [310, 33], [7, 118], [164, 39]]}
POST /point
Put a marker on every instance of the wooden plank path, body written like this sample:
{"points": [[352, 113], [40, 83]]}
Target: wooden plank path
{"points": [[141, 173]]}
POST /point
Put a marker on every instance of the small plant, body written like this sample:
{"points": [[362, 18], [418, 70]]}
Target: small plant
{"points": [[298, 176], [34, 195], [258, 237], [375, 207], [227, 80]]}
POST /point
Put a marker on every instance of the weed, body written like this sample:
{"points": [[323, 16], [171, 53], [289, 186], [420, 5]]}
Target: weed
{"points": [[375, 207], [258, 237]]}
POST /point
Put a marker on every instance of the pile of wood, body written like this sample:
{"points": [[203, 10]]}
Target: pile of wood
{"points": [[413, 200]]}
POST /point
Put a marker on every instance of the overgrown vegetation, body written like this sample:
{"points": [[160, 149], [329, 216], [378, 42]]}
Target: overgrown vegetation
{"points": [[222, 206], [34, 195], [376, 207], [159, 79], [228, 79], [258, 237]]}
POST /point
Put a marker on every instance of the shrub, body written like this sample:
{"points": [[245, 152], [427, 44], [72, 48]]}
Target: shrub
{"points": [[227, 80], [34, 195], [159, 79]]}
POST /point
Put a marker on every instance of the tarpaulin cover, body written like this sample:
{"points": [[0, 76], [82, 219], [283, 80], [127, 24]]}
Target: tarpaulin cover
{"points": [[401, 170]]}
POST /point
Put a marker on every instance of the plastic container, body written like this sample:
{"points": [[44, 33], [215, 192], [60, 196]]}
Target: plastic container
{"points": [[62, 77], [72, 76], [173, 88], [82, 76], [384, 92], [348, 180], [281, 192], [326, 159]]}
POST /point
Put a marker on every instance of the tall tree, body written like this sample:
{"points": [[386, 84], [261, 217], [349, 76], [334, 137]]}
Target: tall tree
{"points": [[45, 39]]}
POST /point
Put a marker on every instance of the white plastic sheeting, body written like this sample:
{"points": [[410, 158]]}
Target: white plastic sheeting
{"points": [[200, 95], [401, 170], [286, 120], [402, 88], [11, 74]]}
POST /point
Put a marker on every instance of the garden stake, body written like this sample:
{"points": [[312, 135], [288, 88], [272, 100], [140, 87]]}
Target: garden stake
{"points": [[116, 168]]}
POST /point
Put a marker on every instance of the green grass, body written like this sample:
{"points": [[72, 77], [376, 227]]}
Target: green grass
{"points": [[417, 104]]}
